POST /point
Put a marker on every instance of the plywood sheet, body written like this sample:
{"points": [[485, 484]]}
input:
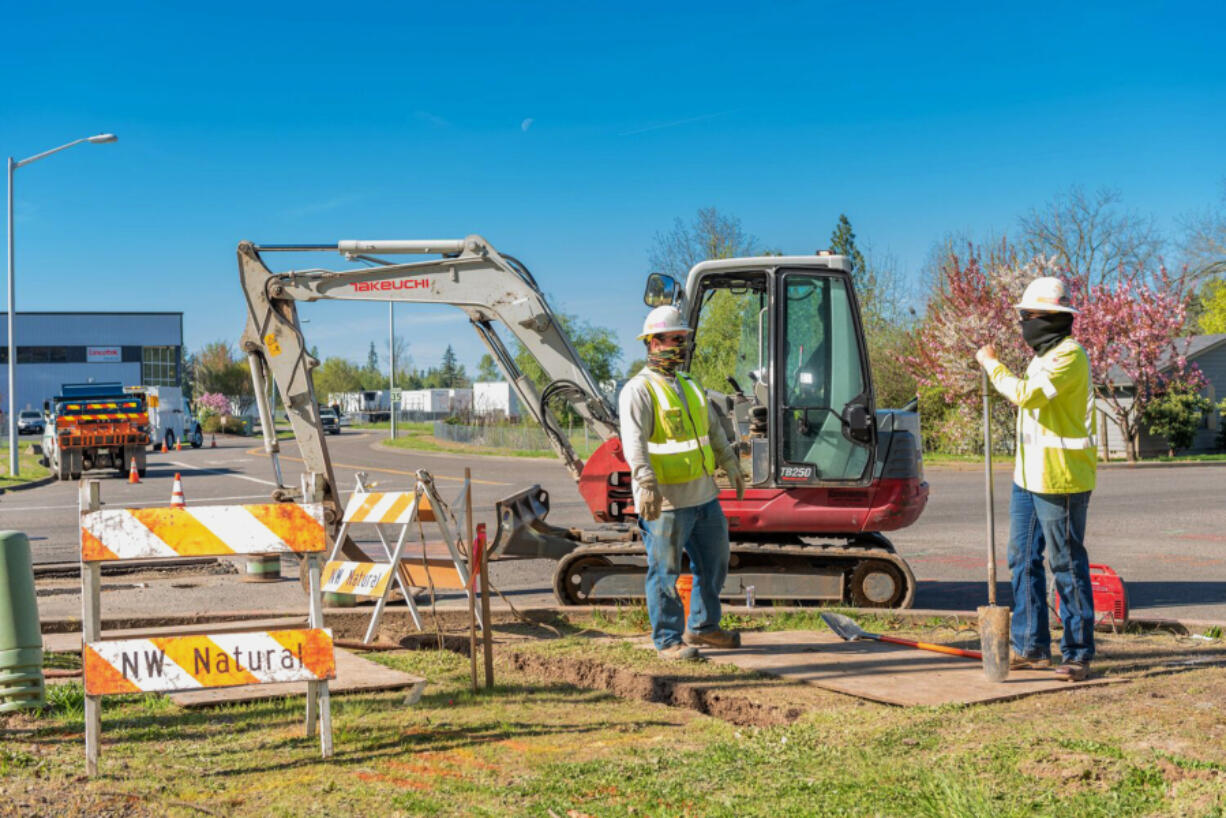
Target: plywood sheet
{"points": [[881, 672]]}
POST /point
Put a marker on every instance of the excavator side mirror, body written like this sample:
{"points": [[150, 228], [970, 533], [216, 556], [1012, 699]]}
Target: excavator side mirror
{"points": [[661, 290], [859, 423]]}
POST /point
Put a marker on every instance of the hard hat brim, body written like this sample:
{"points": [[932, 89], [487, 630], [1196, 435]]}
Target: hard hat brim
{"points": [[1044, 308], [647, 335]]}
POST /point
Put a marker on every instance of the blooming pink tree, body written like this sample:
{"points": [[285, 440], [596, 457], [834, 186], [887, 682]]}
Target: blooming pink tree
{"points": [[215, 402], [1130, 329]]}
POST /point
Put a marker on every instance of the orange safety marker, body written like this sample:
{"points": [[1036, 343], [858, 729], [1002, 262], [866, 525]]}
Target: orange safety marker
{"points": [[133, 474], [178, 445], [214, 446], [177, 500], [164, 449]]}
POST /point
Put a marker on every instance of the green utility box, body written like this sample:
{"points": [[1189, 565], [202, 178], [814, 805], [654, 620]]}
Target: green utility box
{"points": [[21, 638]]}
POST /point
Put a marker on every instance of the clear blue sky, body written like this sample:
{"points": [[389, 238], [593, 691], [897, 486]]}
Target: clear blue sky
{"points": [[570, 135]]}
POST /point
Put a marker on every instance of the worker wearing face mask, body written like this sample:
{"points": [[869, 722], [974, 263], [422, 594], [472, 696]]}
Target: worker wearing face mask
{"points": [[673, 442], [1053, 477]]}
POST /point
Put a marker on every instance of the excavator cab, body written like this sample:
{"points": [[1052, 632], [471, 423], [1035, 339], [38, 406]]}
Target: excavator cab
{"points": [[779, 347]]}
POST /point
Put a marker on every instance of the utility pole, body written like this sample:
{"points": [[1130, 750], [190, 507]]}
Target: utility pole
{"points": [[391, 357]]}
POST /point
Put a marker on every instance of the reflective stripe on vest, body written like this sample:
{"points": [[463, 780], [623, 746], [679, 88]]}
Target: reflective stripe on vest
{"points": [[679, 447]]}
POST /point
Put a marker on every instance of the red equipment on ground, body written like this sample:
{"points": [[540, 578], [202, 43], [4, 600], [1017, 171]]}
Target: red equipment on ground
{"points": [[1110, 598]]}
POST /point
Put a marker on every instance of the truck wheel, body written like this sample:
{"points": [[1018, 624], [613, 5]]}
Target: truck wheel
{"points": [[197, 438], [170, 439], [62, 468], [877, 584]]}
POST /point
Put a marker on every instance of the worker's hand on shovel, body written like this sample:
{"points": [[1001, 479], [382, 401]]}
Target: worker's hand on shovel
{"points": [[650, 499], [986, 356]]}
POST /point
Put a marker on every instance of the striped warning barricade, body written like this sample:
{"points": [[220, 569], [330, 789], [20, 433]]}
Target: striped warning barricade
{"points": [[189, 661], [163, 664], [374, 579]]}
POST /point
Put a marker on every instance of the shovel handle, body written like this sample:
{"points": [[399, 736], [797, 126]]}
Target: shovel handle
{"points": [[894, 640]]}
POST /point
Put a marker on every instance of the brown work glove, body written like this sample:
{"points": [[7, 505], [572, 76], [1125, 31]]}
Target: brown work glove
{"points": [[732, 465], [650, 499]]}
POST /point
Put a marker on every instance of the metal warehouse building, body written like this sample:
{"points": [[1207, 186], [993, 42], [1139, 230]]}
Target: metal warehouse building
{"points": [[54, 348]]}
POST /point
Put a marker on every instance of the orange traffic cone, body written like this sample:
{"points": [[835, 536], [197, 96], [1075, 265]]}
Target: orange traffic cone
{"points": [[214, 446], [176, 494], [178, 445], [133, 475], [164, 449]]}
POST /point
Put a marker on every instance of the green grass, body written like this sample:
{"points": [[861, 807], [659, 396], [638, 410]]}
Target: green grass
{"points": [[531, 747], [1188, 458], [29, 467], [420, 437]]}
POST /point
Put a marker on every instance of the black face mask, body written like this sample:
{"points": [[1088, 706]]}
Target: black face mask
{"points": [[1043, 331]]}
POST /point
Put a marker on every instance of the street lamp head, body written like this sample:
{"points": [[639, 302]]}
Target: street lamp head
{"points": [[102, 137]]}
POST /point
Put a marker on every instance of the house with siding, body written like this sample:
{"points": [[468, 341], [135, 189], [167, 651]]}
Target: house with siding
{"points": [[1208, 352]]}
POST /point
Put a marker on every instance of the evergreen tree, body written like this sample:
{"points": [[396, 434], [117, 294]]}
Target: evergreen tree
{"points": [[487, 369], [372, 359], [843, 243]]}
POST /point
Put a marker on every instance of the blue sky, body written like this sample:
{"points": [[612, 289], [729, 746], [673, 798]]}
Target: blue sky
{"points": [[569, 135]]}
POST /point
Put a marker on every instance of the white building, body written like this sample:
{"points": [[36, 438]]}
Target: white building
{"points": [[55, 348], [441, 402], [495, 398]]}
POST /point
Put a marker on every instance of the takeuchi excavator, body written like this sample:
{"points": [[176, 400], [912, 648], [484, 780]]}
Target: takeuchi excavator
{"points": [[779, 348]]}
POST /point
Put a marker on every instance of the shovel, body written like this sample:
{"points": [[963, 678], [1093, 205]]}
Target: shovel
{"points": [[846, 628], [993, 619]]}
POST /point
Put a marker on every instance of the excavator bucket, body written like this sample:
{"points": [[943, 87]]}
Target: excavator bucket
{"points": [[523, 532]]}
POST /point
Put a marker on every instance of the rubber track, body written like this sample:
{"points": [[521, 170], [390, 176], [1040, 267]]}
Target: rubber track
{"points": [[791, 551]]}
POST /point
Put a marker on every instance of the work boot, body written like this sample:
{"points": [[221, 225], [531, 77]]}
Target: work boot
{"points": [[678, 653], [1019, 662], [718, 638], [1073, 671]]}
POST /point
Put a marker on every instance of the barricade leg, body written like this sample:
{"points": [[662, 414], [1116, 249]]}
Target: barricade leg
{"points": [[91, 629], [395, 561], [317, 692], [408, 597]]}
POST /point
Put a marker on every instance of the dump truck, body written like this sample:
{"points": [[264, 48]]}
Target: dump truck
{"points": [[95, 426], [829, 473]]}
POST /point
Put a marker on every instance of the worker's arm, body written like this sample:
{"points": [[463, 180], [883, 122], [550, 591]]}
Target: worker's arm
{"points": [[636, 416], [1034, 392]]}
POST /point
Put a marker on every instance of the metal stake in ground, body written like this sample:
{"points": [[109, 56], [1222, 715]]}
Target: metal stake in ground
{"points": [[487, 630], [993, 619], [472, 565]]}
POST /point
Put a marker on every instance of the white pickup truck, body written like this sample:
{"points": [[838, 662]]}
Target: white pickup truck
{"points": [[170, 417]]}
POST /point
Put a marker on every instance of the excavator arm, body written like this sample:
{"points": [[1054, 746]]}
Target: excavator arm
{"points": [[468, 273]]}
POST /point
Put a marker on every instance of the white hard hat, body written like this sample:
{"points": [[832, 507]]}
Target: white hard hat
{"points": [[1046, 294], [663, 319]]}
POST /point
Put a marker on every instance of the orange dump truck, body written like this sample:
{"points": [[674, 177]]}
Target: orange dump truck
{"points": [[95, 426]]}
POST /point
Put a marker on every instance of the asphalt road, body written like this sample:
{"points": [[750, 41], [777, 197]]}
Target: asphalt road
{"points": [[1160, 527]]}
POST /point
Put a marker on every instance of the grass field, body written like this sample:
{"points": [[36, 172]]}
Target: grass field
{"points": [[536, 746], [28, 465]]}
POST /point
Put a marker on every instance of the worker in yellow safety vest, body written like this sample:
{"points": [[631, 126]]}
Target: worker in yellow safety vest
{"points": [[1053, 477], [673, 442]]}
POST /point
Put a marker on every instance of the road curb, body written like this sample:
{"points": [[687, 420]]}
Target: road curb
{"points": [[42, 481]]}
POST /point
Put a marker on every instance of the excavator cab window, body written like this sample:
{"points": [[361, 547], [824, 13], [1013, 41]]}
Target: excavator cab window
{"points": [[825, 418], [731, 338]]}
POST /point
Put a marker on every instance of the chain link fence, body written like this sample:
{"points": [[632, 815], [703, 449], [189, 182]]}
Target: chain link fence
{"points": [[519, 437]]}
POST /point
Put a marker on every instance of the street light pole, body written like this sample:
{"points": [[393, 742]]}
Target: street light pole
{"points": [[14, 469], [391, 345]]}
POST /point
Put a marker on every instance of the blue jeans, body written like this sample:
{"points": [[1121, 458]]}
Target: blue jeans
{"points": [[703, 532], [1057, 521]]}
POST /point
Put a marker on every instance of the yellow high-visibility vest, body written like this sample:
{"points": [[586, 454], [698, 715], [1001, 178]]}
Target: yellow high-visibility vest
{"points": [[1057, 449], [679, 447]]}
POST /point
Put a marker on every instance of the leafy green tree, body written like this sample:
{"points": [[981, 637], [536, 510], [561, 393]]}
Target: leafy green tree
{"points": [[487, 369], [216, 368], [843, 243], [372, 359], [1176, 415], [1212, 306], [337, 375], [709, 235], [597, 348]]}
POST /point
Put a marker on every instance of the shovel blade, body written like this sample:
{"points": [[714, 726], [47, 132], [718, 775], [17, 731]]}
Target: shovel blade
{"points": [[844, 627], [994, 641]]}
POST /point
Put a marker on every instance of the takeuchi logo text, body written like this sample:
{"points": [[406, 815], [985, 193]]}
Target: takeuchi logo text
{"points": [[395, 284]]}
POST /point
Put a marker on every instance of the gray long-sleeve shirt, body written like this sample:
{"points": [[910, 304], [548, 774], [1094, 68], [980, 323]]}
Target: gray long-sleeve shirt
{"points": [[637, 415]]}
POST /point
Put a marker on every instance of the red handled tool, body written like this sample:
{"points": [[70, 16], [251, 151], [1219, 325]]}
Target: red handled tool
{"points": [[846, 628]]}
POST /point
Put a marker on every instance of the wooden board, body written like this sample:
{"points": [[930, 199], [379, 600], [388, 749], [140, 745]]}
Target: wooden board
{"points": [[880, 672], [353, 675]]}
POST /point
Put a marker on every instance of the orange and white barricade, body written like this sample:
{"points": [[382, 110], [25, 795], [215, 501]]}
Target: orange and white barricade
{"points": [[385, 509], [189, 661]]}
